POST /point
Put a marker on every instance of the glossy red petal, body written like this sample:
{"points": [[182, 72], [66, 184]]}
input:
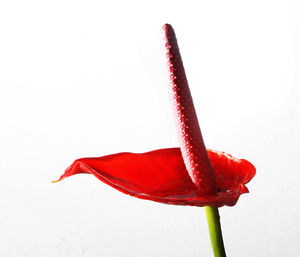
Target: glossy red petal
{"points": [[161, 176]]}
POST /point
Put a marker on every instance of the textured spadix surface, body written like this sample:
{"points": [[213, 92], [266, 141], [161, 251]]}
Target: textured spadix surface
{"points": [[189, 134]]}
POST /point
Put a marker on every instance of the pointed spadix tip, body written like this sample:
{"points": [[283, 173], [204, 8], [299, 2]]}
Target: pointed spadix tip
{"points": [[167, 26], [168, 30]]}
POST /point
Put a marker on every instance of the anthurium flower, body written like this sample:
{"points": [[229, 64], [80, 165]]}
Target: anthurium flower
{"points": [[189, 175], [161, 176]]}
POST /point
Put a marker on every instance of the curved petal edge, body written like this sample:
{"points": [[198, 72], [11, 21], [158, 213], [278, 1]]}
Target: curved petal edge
{"points": [[161, 176]]}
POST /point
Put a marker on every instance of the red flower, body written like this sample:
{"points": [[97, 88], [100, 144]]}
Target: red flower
{"points": [[161, 176], [188, 175]]}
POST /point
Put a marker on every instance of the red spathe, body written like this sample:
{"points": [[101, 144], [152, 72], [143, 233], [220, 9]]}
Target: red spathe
{"points": [[161, 176]]}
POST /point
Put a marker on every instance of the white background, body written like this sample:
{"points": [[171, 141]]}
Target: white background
{"points": [[88, 78]]}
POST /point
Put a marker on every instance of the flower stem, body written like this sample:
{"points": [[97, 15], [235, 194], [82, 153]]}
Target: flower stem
{"points": [[215, 232]]}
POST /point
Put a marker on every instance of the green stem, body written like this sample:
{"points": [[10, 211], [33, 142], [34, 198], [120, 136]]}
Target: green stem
{"points": [[215, 232]]}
